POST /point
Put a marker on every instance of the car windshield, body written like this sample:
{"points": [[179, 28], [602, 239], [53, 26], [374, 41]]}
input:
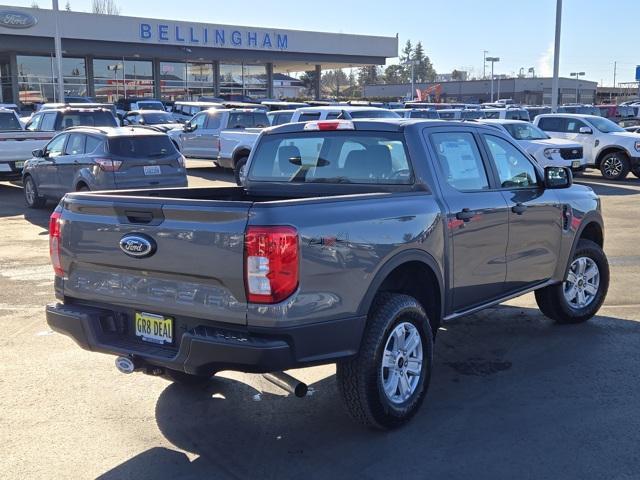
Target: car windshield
{"points": [[150, 106], [158, 118], [141, 146], [525, 131], [373, 114], [86, 119], [9, 122], [336, 157], [605, 125]]}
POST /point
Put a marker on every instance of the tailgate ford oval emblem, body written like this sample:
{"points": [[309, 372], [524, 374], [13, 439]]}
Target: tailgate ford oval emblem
{"points": [[137, 245]]}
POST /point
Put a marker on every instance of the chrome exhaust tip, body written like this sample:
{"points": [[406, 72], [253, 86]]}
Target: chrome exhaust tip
{"points": [[125, 365], [288, 383]]}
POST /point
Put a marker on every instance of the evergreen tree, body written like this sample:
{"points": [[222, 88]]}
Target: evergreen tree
{"points": [[369, 75], [67, 7], [394, 74], [424, 71]]}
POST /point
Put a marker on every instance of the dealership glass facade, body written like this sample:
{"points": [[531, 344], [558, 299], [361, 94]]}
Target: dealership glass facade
{"points": [[115, 78], [37, 74], [243, 79]]}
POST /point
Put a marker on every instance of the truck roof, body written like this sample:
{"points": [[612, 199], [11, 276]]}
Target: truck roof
{"points": [[332, 108], [129, 131]]}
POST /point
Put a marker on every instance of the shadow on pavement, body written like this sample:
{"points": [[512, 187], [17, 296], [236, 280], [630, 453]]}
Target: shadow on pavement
{"points": [[212, 173], [12, 204], [629, 186], [512, 395]]}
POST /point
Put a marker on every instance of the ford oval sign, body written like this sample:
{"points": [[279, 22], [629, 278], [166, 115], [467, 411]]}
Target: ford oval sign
{"points": [[137, 245], [15, 19]]}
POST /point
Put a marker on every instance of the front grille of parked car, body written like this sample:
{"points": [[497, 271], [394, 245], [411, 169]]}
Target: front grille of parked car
{"points": [[571, 153]]}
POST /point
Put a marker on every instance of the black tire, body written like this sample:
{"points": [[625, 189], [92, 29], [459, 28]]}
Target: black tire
{"points": [[82, 188], [236, 170], [35, 200], [360, 379], [186, 379], [552, 302], [615, 166], [636, 170]]}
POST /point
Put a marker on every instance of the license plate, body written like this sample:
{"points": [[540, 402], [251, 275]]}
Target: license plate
{"points": [[154, 328], [19, 164], [152, 169], [575, 164]]}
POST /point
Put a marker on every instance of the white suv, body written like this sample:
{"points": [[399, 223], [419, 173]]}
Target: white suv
{"points": [[548, 152], [607, 146]]}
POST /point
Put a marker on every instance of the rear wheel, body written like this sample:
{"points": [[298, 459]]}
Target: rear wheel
{"points": [[31, 195], [385, 384], [240, 171], [82, 188], [581, 295], [615, 166]]}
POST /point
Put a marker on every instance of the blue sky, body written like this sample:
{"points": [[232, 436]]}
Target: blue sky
{"points": [[595, 33]]}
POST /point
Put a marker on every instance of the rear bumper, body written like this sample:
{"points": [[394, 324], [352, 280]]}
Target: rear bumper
{"points": [[207, 348], [9, 171]]}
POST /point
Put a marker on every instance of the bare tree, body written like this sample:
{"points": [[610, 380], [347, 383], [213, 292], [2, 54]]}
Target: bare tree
{"points": [[67, 7], [105, 7], [35, 5]]}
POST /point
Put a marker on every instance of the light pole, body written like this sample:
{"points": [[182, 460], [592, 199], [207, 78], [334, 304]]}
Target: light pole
{"points": [[532, 71], [577, 75], [555, 84], [413, 64], [58, 48], [492, 60], [484, 63]]}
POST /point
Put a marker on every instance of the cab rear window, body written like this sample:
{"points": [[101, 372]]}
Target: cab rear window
{"points": [[332, 157], [141, 146]]}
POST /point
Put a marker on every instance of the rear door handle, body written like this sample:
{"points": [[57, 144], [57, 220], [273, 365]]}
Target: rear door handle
{"points": [[465, 215], [519, 208]]}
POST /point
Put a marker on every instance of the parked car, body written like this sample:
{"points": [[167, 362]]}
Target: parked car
{"points": [[16, 145], [94, 158], [607, 146], [340, 112], [200, 137], [158, 119], [534, 111], [79, 99], [55, 120], [342, 247], [124, 105], [10, 106], [428, 113], [280, 117], [510, 113], [581, 109], [461, 114], [281, 105], [547, 151], [55, 106], [616, 113], [184, 111], [634, 129]]}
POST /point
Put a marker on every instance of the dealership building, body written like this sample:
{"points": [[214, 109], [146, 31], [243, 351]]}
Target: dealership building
{"points": [[108, 57]]}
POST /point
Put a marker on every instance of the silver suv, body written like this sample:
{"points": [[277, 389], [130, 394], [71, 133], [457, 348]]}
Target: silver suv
{"points": [[92, 158]]}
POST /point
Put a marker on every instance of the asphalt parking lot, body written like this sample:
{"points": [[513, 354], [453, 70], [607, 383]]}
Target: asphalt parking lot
{"points": [[511, 392]]}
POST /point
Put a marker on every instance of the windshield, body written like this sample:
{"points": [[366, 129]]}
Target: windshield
{"points": [[85, 119], [142, 146], [8, 121], [332, 157], [158, 118], [605, 125], [373, 114], [150, 106], [525, 131]]}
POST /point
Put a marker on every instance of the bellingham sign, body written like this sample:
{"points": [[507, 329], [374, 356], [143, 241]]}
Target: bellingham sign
{"points": [[213, 37]]}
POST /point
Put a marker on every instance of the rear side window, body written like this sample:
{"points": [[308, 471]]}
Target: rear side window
{"points": [[141, 146], [332, 157], [460, 160], [518, 115], [92, 144], [310, 116], [8, 121], [85, 119], [75, 145], [552, 124], [282, 118]]}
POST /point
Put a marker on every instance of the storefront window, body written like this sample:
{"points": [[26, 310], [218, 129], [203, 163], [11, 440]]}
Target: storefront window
{"points": [[117, 78], [243, 80], [172, 81], [37, 78], [199, 80], [6, 95]]}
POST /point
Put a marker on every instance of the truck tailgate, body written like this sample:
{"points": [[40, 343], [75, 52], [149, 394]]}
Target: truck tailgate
{"points": [[196, 269]]}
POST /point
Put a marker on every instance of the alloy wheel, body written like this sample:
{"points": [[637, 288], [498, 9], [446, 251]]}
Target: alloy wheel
{"points": [[582, 283], [402, 363]]}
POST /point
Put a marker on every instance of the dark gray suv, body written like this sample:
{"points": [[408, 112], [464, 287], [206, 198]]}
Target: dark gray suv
{"points": [[93, 158]]}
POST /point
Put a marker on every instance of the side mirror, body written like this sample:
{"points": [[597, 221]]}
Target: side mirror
{"points": [[141, 121], [188, 127], [125, 122], [586, 130], [557, 177], [38, 153]]}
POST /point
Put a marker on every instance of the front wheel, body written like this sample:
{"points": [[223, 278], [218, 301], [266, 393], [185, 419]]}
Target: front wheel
{"points": [[615, 166], [240, 171], [385, 384], [581, 295]]}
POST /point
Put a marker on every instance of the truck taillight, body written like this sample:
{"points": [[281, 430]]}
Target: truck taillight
{"points": [[181, 161], [55, 242], [108, 165], [324, 125], [271, 263]]}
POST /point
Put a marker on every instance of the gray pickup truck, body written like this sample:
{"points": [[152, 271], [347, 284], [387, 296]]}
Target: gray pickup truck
{"points": [[351, 242]]}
